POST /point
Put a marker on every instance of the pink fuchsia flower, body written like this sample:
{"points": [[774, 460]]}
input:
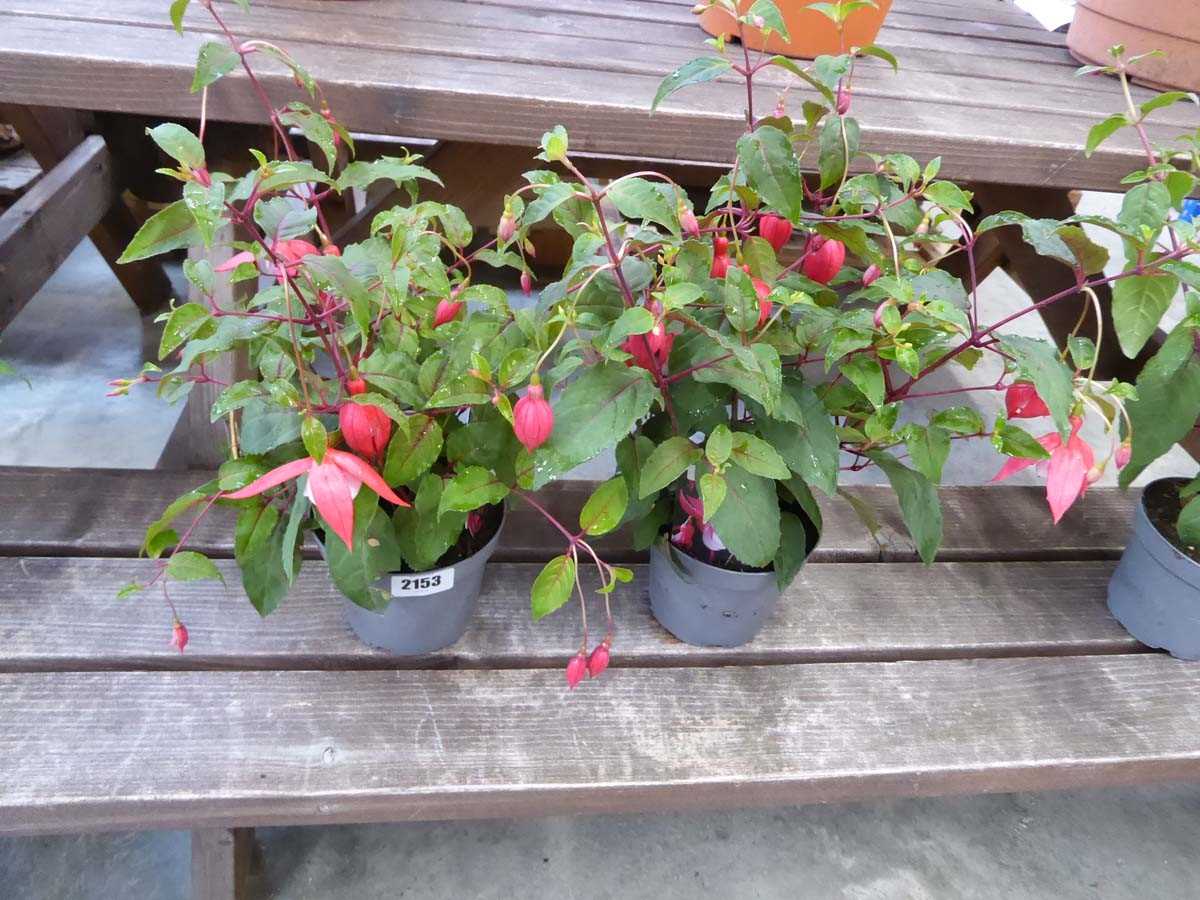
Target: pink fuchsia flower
{"points": [[290, 252], [1067, 471], [688, 221], [824, 260], [366, 427], [332, 484], [720, 263], [576, 669], [179, 635], [870, 275], [1022, 401], [775, 230], [684, 536], [598, 661], [446, 311], [533, 418]]}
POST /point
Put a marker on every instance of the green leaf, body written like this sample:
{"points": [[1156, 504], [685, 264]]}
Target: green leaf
{"points": [[548, 199], [1168, 401], [554, 144], [918, 504], [178, 8], [1054, 381], [928, 449], [470, 489], [361, 174], [234, 397], [719, 445], [1166, 98], [605, 509], [412, 450], [424, 533], [866, 374], [552, 587], [747, 522], [712, 493], [810, 448], [741, 300], [880, 53], [184, 323], [178, 143], [638, 198], [376, 552], [959, 419], [669, 460], [1083, 351], [1092, 258], [1145, 206], [1012, 440], [695, 71], [1188, 523], [835, 152], [1138, 305], [171, 228], [772, 19], [258, 549], [635, 320], [758, 457], [188, 565], [290, 546], [315, 128], [947, 195], [314, 437], [215, 60], [771, 169], [793, 549], [1102, 131]]}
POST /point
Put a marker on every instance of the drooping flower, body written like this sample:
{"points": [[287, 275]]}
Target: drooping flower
{"points": [[446, 311], [366, 427], [289, 251], [720, 263], [533, 418], [332, 484], [824, 259], [576, 669], [599, 658], [1067, 471], [693, 508], [179, 634], [526, 283], [507, 227], [775, 230], [1022, 401]]}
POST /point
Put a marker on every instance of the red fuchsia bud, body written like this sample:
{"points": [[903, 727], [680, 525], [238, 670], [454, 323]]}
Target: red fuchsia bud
{"points": [[598, 661], [775, 230], [1021, 401], [179, 635], [843, 98], [446, 311], [638, 346], [356, 386], [688, 222], [879, 311], [720, 263], [507, 227], [202, 177], [823, 263], [474, 522], [533, 418], [576, 669], [1123, 455], [526, 284], [366, 428], [870, 276]]}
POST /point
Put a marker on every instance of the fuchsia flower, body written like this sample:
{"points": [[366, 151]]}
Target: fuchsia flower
{"points": [[474, 522], [576, 669], [685, 535], [598, 661], [533, 418], [1068, 471], [824, 259], [763, 290], [179, 635], [720, 263], [446, 311], [775, 230], [1022, 401], [290, 251], [650, 351], [366, 427], [333, 484]]}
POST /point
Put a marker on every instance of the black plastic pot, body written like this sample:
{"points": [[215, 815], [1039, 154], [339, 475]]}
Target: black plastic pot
{"points": [[1155, 591]]}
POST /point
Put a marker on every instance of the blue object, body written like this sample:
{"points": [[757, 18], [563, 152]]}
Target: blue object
{"points": [[1190, 209]]}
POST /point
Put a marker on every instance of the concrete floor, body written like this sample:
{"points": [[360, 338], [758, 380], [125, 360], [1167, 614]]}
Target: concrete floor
{"points": [[81, 331]]}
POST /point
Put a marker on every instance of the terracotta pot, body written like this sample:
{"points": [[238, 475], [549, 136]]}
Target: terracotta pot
{"points": [[812, 34], [1172, 26]]}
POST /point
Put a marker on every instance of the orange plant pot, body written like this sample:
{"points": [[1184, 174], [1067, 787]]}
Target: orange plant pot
{"points": [[812, 34], [1172, 26]]}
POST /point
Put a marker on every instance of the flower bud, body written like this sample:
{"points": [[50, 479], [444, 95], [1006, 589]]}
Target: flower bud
{"points": [[356, 386], [507, 227], [870, 276], [474, 522], [365, 427], [1124, 454], [533, 418], [576, 669], [1022, 401], [179, 635], [764, 300], [824, 261], [446, 311], [843, 98], [526, 284], [202, 177], [877, 319], [332, 250], [775, 230], [720, 263], [688, 222], [598, 661]]}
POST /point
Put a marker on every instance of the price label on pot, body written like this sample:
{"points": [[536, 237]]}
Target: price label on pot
{"points": [[422, 584]]}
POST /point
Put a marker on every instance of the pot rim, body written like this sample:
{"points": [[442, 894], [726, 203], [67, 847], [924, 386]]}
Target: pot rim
{"points": [[1165, 553], [683, 560]]}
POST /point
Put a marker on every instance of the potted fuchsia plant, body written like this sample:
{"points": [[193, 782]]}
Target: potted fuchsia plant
{"points": [[738, 355]]}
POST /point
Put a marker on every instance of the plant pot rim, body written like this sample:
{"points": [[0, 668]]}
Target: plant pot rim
{"points": [[1157, 544], [717, 572]]}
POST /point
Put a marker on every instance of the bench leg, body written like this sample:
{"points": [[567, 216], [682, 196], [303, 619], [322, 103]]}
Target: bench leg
{"points": [[221, 863]]}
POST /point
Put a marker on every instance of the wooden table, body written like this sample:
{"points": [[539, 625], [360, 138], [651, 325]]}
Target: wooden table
{"points": [[997, 669]]}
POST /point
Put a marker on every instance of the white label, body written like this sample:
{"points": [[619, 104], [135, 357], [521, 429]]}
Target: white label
{"points": [[422, 584]]}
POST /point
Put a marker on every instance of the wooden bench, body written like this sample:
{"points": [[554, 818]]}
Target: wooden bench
{"points": [[997, 669]]}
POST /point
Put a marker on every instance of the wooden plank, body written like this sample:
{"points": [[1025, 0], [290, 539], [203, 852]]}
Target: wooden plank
{"points": [[104, 512], [513, 102], [221, 863], [62, 614], [97, 750], [17, 172], [41, 229]]}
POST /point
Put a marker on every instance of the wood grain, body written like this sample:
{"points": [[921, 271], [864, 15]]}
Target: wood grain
{"points": [[221, 863], [62, 614], [104, 512], [94, 750], [995, 98]]}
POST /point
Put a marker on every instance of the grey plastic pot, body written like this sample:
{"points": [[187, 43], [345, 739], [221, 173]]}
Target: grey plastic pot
{"points": [[706, 605], [434, 617], [1155, 591]]}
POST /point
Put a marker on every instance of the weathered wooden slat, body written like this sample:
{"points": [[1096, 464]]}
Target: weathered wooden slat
{"points": [[41, 229], [104, 512], [94, 750], [221, 863], [62, 614]]}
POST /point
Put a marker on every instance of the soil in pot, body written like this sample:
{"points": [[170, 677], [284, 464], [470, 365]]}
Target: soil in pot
{"points": [[1162, 504]]}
